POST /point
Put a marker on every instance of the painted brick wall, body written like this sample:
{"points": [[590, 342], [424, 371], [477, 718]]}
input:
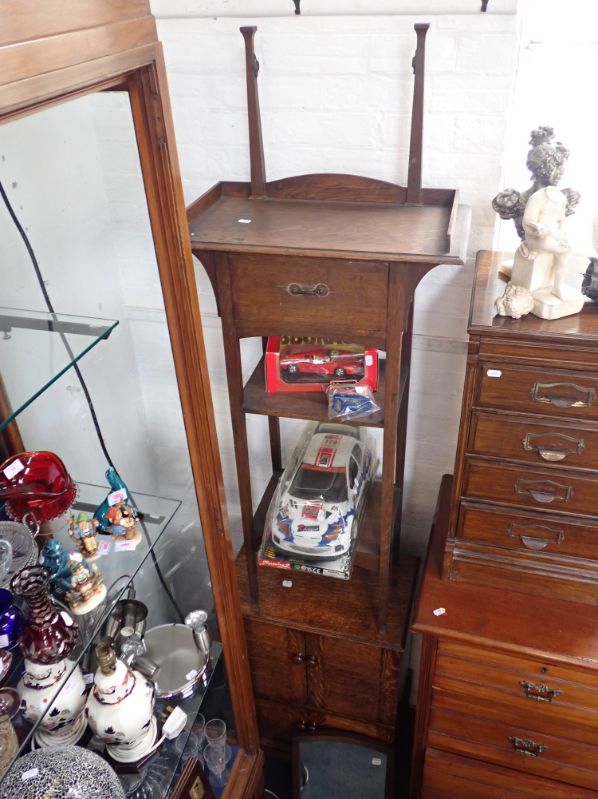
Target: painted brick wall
{"points": [[335, 92]]}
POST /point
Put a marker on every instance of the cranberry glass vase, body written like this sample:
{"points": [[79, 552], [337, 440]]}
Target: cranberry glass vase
{"points": [[52, 631]]}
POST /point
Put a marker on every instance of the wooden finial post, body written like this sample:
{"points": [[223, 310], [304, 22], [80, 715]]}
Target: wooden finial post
{"points": [[256, 146], [414, 175]]}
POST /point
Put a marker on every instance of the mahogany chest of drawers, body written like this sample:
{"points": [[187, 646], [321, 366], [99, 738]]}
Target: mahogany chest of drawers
{"points": [[525, 498], [508, 692]]}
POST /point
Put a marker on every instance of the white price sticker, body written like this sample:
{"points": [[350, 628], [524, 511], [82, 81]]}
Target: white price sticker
{"points": [[376, 761], [13, 468], [3, 641], [29, 774], [493, 372], [125, 545], [104, 547], [76, 556], [88, 678], [369, 360], [244, 221], [117, 496], [287, 583]]}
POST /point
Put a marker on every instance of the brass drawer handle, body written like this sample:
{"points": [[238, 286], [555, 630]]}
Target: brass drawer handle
{"points": [[524, 746], [546, 445], [543, 392], [536, 542], [539, 691], [319, 290], [544, 491]]}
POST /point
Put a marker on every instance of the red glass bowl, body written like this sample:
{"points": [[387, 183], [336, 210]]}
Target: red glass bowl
{"points": [[36, 483]]}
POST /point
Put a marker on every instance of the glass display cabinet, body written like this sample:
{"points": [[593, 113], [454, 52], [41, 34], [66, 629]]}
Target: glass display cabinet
{"points": [[102, 362]]}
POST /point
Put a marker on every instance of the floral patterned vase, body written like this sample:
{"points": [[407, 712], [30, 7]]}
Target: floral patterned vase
{"points": [[120, 707], [52, 631], [50, 689], [63, 719]]}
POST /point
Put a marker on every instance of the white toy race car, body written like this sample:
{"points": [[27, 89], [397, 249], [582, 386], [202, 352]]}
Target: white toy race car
{"points": [[320, 494]]}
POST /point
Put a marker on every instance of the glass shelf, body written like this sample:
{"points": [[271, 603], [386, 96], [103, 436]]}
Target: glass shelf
{"points": [[119, 570], [36, 348]]}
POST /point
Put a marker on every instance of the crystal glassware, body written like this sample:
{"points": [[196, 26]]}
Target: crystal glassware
{"points": [[215, 733], [215, 758]]}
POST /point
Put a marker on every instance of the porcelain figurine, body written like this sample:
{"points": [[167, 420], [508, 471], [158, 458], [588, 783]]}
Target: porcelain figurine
{"points": [[545, 263], [87, 589], [82, 530], [120, 707], [49, 684], [56, 561], [116, 515]]}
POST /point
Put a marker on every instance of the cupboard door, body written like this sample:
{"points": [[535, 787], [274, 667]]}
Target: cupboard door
{"points": [[277, 659], [355, 680]]}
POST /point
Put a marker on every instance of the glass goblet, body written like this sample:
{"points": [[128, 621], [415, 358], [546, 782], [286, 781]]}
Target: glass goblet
{"points": [[215, 758], [215, 733]]}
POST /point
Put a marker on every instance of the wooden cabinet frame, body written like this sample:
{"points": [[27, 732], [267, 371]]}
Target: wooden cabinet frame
{"points": [[55, 51]]}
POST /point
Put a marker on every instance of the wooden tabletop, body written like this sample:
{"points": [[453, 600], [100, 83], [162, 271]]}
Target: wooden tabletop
{"points": [[337, 229], [553, 629], [489, 286]]}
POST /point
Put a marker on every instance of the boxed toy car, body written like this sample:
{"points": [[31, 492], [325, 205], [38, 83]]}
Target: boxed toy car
{"points": [[309, 363], [313, 519]]}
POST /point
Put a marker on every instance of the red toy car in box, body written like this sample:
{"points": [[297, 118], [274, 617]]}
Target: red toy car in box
{"points": [[308, 364], [322, 361]]}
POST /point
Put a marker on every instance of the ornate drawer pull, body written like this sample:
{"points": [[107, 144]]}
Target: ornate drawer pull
{"points": [[319, 290], [298, 657], [539, 691], [524, 746], [549, 450], [542, 392], [311, 660], [536, 542], [544, 491]]}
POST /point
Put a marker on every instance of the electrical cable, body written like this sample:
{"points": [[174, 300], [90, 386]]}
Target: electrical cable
{"points": [[90, 405]]}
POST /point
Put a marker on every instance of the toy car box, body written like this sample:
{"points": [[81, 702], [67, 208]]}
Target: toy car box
{"points": [[295, 363]]}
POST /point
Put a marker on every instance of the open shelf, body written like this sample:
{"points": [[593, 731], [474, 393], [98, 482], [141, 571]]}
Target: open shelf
{"points": [[48, 344], [118, 569], [311, 406]]}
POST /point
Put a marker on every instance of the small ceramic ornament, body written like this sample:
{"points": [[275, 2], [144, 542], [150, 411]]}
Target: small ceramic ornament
{"points": [[87, 589], [82, 530], [120, 707], [117, 516], [56, 561]]}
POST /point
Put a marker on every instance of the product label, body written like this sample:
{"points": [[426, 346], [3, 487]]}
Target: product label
{"points": [[244, 221], [369, 360], [287, 583], [88, 678], [13, 468], [104, 547], [3, 641], [493, 372], [124, 546], [28, 775], [117, 496], [376, 761]]}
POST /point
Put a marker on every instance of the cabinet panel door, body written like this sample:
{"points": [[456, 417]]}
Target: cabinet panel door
{"points": [[276, 656], [352, 679]]}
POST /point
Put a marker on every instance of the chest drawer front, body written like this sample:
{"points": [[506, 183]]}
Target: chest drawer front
{"points": [[529, 532], [558, 393], [448, 776], [522, 697], [294, 294], [528, 440], [510, 745], [555, 490]]}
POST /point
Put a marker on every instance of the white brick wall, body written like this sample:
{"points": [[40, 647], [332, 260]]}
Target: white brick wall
{"points": [[335, 93]]}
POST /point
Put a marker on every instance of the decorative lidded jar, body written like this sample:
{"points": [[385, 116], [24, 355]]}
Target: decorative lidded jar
{"points": [[120, 707], [50, 684]]}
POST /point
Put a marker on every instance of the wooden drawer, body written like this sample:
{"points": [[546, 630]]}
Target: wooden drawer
{"points": [[275, 294], [278, 722], [551, 490], [511, 745], [448, 776], [514, 438], [519, 691], [552, 393], [529, 532]]}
